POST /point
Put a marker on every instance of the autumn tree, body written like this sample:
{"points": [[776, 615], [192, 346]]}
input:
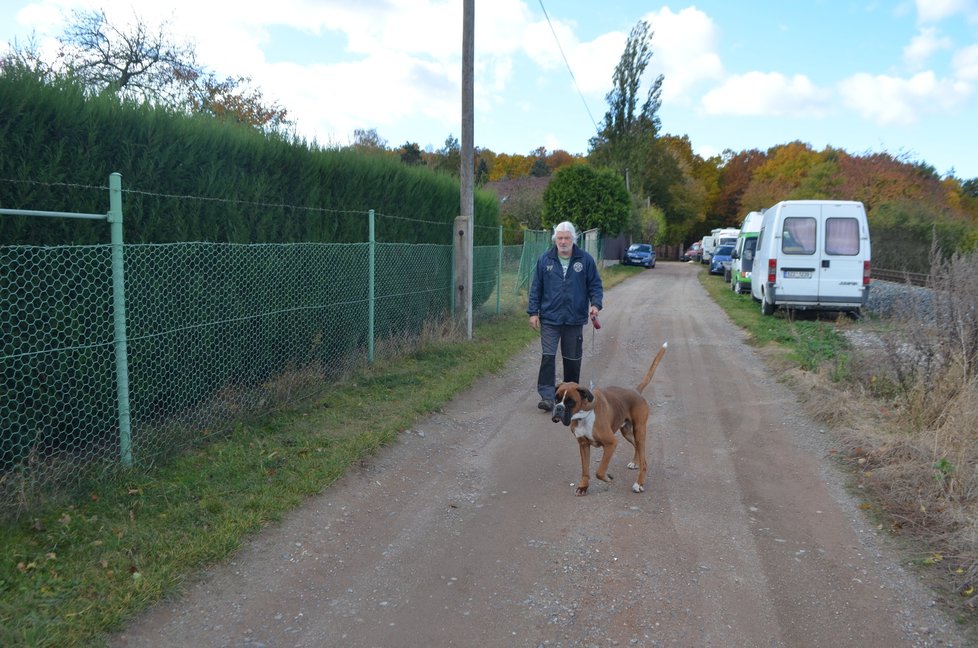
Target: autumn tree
{"points": [[510, 166], [411, 154], [559, 158], [231, 100], [782, 176], [735, 172]]}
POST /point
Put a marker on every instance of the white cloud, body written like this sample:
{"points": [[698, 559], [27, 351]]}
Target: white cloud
{"points": [[541, 46], [923, 45], [767, 94], [592, 62], [965, 63], [936, 10], [684, 48], [889, 100], [403, 60]]}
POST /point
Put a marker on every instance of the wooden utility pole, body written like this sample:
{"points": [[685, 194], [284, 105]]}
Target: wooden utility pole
{"points": [[464, 224]]}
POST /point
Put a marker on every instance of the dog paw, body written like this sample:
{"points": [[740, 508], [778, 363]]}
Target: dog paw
{"points": [[632, 465], [638, 488], [581, 491]]}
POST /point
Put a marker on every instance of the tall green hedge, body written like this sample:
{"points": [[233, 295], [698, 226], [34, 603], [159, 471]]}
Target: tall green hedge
{"points": [[194, 178], [208, 322]]}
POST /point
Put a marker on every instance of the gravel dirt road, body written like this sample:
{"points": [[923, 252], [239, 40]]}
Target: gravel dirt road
{"points": [[467, 532]]}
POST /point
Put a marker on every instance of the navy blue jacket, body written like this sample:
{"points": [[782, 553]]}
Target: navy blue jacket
{"points": [[560, 300]]}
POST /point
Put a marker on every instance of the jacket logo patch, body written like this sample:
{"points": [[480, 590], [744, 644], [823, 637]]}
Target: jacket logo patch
{"points": [[578, 267]]}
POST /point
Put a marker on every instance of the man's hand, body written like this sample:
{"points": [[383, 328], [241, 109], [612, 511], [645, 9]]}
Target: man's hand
{"points": [[535, 322]]}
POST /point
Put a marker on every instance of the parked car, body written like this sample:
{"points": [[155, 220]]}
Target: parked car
{"points": [[743, 263], [639, 254], [720, 261], [692, 253]]}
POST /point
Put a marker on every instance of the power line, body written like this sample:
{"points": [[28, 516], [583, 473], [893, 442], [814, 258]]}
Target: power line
{"points": [[564, 56]]}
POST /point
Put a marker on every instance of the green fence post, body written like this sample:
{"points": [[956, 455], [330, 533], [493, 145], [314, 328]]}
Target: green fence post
{"points": [[371, 287], [119, 318], [499, 273]]}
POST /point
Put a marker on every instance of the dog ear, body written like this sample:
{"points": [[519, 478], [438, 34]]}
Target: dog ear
{"points": [[586, 393]]}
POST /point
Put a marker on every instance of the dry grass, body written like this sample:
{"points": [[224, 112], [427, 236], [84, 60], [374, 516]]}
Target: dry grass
{"points": [[911, 429]]}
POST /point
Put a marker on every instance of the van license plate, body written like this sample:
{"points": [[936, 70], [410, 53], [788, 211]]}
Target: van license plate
{"points": [[797, 274]]}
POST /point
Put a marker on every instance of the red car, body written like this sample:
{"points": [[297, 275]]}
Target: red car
{"points": [[693, 253]]}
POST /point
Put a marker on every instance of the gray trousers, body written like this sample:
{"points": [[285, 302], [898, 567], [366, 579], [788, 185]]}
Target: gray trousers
{"points": [[571, 342]]}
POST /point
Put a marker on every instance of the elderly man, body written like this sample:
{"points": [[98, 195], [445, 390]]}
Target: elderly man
{"points": [[565, 292]]}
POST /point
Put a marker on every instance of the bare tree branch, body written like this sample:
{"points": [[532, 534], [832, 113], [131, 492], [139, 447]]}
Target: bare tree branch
{"points": [[138, 64]]}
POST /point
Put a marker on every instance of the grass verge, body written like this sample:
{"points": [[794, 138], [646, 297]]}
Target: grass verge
{"points": [[72, 573]]}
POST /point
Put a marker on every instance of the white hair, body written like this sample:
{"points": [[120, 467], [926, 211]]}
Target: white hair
{"points": [[565, 226]]}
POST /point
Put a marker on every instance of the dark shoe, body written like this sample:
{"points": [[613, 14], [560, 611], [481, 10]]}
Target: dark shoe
{"points": [[546, 405]]}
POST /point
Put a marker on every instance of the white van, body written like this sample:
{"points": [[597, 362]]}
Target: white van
{"points": [[812, 254], [709, 244], [719, 236], [725, 236]]}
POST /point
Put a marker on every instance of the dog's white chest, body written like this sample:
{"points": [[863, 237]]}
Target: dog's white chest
{"points": [[585, 425]]}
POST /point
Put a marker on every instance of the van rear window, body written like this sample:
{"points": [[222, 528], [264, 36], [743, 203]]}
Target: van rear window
{"points": [[842, 236], [798, 235]]}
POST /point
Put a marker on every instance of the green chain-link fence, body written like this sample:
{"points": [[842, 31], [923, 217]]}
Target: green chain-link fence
{"points": [[215, 332]]}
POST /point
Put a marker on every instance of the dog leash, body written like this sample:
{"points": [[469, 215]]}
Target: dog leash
{"points": [[595, 326]]}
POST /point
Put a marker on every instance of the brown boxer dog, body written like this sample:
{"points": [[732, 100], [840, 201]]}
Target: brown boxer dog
{"points": [[594, 417]]}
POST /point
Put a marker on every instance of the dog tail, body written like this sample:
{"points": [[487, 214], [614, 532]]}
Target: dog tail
{"points": [[655, 363]]}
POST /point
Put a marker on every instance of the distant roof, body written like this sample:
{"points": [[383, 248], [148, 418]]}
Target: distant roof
{"points": [[528, 186]]}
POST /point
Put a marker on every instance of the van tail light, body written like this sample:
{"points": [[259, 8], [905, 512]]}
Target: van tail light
{"points": [[772, 270], [866, 273]]}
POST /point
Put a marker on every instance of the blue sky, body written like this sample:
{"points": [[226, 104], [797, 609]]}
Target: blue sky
{"points": [[865, 76]]}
